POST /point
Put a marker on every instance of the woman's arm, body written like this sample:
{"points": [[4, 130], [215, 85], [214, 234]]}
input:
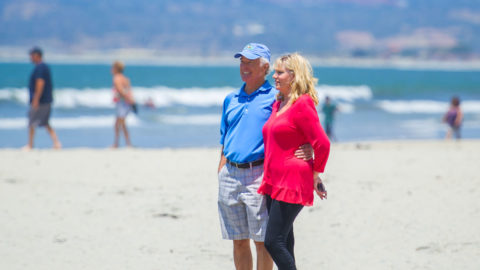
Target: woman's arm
{"points": [[306, 119]]}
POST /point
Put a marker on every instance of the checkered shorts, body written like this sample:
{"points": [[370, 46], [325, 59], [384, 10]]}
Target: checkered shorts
{"points": [[243, 212]]}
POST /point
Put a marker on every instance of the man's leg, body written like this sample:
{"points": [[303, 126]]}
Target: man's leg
{"points": [[31, 134], [242, 255], [117, 133], [125, 131], [53, 135], [264, 261]]}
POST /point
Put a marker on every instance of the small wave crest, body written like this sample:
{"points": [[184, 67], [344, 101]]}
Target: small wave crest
{"points": [[345, 93], [425, 106], [203, 119], [101, 121], [162, 96], [103, 97]]}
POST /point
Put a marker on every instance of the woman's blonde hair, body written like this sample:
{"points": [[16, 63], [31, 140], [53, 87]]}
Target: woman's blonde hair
{"points": [[303, 81], [119, 66]]}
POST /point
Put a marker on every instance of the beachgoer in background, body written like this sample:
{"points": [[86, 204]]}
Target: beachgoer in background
{"points": [[41, 98], [243, 213], [288, 183], [329, 109], [149, 103], [124, 102], [454, 118]]}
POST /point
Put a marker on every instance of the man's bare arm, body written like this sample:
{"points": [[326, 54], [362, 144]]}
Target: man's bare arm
{"points": [[223, 160], [39, 86]]}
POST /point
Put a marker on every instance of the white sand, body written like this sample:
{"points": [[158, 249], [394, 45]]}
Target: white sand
{"points": [[392, 205]]}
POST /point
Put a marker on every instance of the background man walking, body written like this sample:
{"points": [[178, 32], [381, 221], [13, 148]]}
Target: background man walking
{"points": [[41, 98]]}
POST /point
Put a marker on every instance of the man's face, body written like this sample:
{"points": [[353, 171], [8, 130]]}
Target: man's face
{"points": [[252, 71], [35, 57]]}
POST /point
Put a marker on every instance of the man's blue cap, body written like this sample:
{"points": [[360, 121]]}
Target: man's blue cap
{"points": [[36, 50], [253, 51]]}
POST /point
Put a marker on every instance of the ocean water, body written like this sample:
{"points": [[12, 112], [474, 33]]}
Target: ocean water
{"points": [[375, 104]]}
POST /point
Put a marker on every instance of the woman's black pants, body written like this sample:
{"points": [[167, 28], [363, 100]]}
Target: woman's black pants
{"points": [[279, 239]]}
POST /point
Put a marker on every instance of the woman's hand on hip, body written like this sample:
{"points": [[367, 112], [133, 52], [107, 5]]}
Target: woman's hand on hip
{"points": [[304, 152]]}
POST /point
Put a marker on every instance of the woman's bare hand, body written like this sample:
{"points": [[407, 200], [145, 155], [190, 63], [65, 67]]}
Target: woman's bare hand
{"points": [[319, 187], [304, 152]]}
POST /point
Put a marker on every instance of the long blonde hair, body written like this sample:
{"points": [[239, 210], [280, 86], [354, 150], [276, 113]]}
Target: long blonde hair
{"points": [[303, 81]]}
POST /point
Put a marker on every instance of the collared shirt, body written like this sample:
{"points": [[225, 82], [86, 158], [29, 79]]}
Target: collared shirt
{"points": [[41, 71], [243, 118]]}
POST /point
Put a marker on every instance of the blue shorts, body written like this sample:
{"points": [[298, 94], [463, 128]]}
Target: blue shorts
{"points": [[243, 212], [122, 109]]}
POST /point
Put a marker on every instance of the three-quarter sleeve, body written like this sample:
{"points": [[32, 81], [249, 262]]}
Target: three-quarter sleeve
{"points": [[306, 119]]}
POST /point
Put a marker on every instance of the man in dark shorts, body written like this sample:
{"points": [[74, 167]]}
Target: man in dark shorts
{"points": [[41, 98]]}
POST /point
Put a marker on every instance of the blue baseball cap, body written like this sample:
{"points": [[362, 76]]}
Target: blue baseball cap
{"points": [[253, 51], [36, 50]]}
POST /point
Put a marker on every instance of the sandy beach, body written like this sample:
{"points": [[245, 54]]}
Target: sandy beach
{"points": [[391, 205]]}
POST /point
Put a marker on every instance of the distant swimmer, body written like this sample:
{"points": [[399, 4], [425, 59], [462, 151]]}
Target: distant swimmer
{"points": [[41, 98], [149, 103], [124, 102], [453, 117]]}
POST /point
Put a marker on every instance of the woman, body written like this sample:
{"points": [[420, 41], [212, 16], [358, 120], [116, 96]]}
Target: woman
{"points": [[453, 118], [288, 182], [124, 101]]}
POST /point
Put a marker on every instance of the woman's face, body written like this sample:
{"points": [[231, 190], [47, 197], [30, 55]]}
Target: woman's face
{"points": [[283, 79]]}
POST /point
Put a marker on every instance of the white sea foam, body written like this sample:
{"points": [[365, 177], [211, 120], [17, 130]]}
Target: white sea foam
{"points": [[100, 121], [203, 119], [162, 96], [424, 128], [425, 106], [345, 93]]}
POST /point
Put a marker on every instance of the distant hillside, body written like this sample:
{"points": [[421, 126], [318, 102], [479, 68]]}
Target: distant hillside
{"points": [[419, 28]]}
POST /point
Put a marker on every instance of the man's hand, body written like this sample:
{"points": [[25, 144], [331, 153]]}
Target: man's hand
{"points": [[304, 152], [223, 161], [35, 105]]}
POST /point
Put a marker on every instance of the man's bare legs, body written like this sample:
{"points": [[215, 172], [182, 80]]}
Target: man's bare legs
{"points": [[242, 256], [264, 261], [31, 134], [121, 125], [51, 132], [53, 135], [117, 133], [125, 132]]}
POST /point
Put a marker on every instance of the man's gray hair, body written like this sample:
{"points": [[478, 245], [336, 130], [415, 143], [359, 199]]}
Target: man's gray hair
{"points": [[264, 61]]}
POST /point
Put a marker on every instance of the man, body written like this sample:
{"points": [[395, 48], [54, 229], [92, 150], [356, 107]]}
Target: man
{"points": [[41, 98], [243, 213], [329, 109]]}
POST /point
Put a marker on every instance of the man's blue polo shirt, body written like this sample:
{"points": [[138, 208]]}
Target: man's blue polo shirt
{"points": [[243, 118]]}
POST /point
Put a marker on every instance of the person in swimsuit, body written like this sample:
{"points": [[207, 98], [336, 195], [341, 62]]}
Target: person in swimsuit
{"points": [[124, 101], [453, 117], [288, 183]]}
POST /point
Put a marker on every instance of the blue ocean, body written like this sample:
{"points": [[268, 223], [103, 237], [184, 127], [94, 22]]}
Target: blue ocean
{"points": [[374, 103]]}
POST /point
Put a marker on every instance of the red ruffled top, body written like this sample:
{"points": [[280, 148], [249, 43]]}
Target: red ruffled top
{"points": [[287, 178]]}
